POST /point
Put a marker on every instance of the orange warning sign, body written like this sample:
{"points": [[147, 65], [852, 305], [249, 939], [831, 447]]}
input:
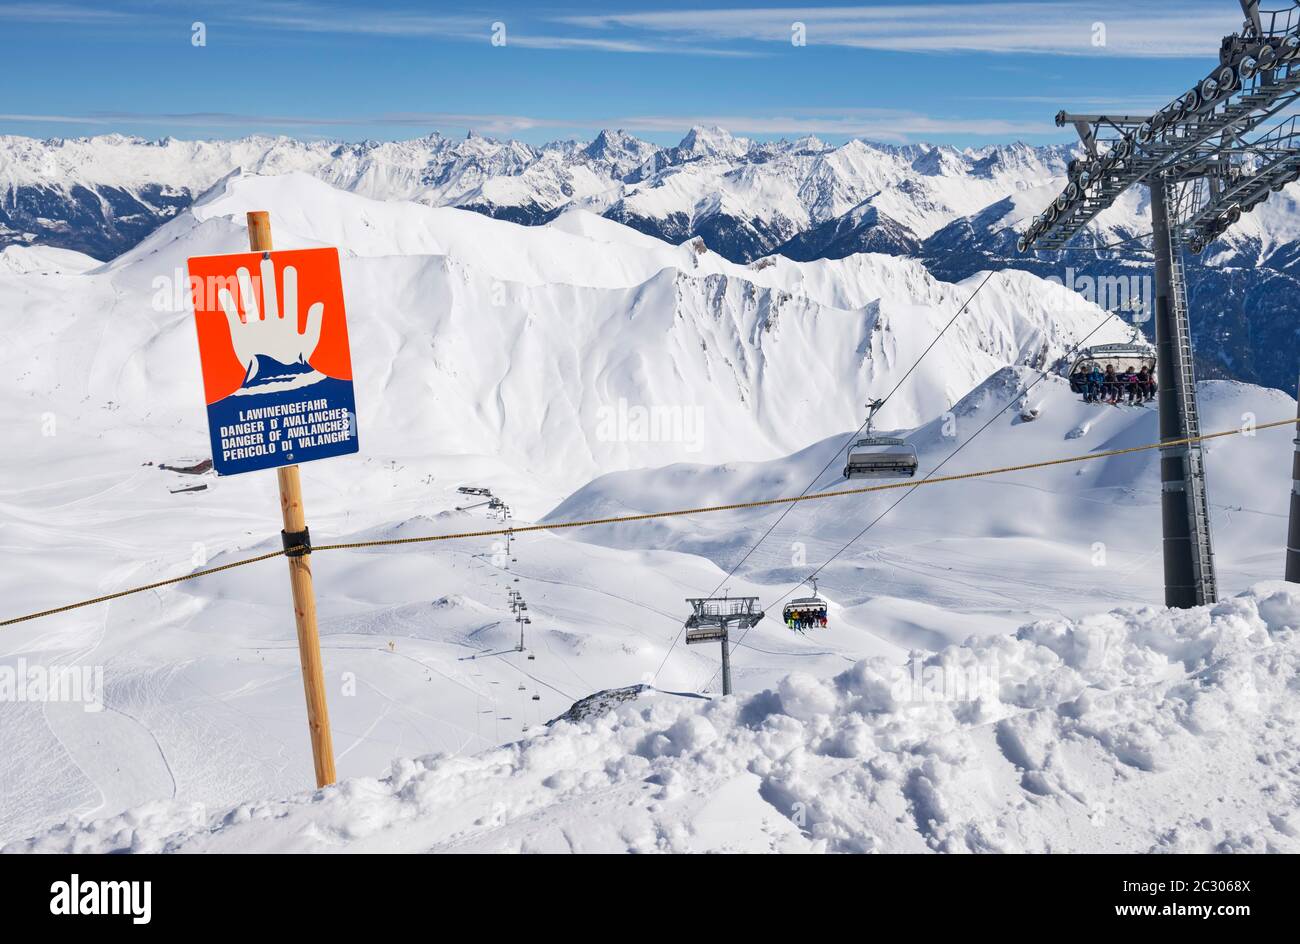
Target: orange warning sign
{"points": [[277, 370]]}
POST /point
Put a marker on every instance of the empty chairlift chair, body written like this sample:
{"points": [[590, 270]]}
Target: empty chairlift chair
{"points": [[879, 457]]}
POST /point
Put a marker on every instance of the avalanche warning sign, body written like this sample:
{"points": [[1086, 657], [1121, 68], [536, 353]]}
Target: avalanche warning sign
{"points": [[273, 342]]}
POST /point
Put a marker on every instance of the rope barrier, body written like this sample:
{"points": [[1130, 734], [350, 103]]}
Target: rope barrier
{"points": [[654, 515], [149, 586]]}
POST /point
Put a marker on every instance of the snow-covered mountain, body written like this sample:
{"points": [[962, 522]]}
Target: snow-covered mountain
{"points": [[533, 339], [958, 211], [577, 365], [747, 199]]}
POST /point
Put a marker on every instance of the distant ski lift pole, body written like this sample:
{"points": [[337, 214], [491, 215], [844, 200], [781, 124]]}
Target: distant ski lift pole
{"points": [[878, 457], [1293, 526], [522, 621], [710, 620]]}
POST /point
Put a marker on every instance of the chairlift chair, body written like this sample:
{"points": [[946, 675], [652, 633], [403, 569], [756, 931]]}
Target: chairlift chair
{"points": [[812, 607], [880, 457], [1129, 355]]}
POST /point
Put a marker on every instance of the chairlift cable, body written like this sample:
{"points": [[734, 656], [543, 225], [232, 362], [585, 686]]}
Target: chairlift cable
{"points": [[829, 462], [731, 573], [928, 477], [671, 513]]}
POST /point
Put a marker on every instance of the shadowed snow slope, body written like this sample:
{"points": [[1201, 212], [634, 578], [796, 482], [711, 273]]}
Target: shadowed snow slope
{"points": [[537, 347], [1139, 730], [994, 546], [531, 360]]}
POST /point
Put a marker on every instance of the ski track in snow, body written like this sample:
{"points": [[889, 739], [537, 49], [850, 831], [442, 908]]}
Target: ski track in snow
{"points": [[1078, 741], [205, 726]]}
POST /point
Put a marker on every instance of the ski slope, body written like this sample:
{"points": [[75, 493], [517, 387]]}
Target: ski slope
{"points": [[511, 357], [1051, 541], [1138, 730]]}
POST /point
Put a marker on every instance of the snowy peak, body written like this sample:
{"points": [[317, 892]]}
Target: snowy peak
{"points": [[611, 145], [617, 154], [941, 162], [103, 194], [711, 142], [958, 210]]}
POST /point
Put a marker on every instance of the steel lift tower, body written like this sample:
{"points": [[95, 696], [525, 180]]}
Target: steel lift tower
{"points": [[710, 620], [1206, 162], [1293, 530]]}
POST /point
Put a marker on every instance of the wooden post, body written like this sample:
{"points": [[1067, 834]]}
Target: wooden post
{"points": [[304, 597]]}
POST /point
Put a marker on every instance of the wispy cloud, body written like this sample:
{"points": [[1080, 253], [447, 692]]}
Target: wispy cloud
{"points": [[314, 18], [880, 124], [890, 125], [1146, 29], [521, 32], [1111, 104], [486, 123], [66, 13]]}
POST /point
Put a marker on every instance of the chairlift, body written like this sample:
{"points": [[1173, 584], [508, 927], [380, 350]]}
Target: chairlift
{"points": [[811, 609], [1129, 355], [536, 697], [880, 457]]}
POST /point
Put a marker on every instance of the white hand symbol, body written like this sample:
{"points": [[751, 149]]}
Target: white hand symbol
{"points": [[273, 331]]}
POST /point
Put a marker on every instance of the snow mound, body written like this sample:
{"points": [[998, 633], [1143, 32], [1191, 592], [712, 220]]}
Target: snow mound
{"points": [[44, 260], [1099, 734]]}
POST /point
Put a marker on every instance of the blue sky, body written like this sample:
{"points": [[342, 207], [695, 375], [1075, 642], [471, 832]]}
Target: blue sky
{"points": [[954, 72]]}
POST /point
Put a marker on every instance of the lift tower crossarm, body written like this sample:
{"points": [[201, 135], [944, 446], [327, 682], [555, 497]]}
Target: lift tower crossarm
{"points": [[710, 620]]}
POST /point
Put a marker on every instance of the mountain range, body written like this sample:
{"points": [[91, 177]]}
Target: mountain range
{"points": [[956, 210], [583, 368]]}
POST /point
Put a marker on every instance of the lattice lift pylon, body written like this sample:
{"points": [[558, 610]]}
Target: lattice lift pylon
{"points": [[711, 619], [1206, 163]]}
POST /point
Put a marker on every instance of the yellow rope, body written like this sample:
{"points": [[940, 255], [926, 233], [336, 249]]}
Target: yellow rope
{"points": [[148, 586], [651, 515]]}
